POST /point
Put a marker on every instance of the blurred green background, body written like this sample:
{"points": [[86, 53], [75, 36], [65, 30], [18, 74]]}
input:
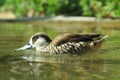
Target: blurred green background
{"points": [[16, 28], [30, 8]]}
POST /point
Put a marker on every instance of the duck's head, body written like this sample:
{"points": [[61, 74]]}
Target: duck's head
{"points": [[38, 41]]}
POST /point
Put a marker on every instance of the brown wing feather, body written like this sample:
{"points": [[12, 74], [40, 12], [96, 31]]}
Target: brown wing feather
{"points": [[70, 37]]}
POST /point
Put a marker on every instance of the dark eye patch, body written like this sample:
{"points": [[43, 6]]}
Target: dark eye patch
{"points": [[35, 38], [46, 38]]}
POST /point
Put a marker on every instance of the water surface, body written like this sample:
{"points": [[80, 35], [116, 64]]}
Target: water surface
{"points": [[31, 65]]}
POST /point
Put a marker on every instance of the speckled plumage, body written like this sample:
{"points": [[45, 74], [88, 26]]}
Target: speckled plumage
{"points": [[66, 43]]}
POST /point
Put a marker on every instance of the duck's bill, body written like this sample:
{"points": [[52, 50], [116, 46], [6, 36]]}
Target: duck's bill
{"points": [[27, 46]]}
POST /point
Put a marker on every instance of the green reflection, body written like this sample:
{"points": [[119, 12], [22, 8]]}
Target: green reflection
{"points": [[30, 65]]}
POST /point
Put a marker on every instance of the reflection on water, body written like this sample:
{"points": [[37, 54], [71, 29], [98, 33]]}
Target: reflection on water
{"points": [[32, 65], [58, 68]]}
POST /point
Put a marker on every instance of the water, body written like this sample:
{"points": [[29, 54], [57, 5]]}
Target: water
{"points": [[31, 65]]}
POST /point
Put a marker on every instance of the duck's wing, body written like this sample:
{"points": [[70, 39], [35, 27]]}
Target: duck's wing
{"points": [[70, 37]]}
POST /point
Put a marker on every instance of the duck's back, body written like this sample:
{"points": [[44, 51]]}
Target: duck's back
{"points": [[70, 37], [75, 43]]}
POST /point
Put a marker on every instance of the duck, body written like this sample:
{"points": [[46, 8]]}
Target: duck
{"points": [[72, 43]]}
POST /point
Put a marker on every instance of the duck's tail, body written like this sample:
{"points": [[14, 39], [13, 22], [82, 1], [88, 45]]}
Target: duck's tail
{"points": [[97, 44], [103, 38]]}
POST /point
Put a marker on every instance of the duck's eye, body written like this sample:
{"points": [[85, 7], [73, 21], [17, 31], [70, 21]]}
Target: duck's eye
{"points": [[35, 38]]}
